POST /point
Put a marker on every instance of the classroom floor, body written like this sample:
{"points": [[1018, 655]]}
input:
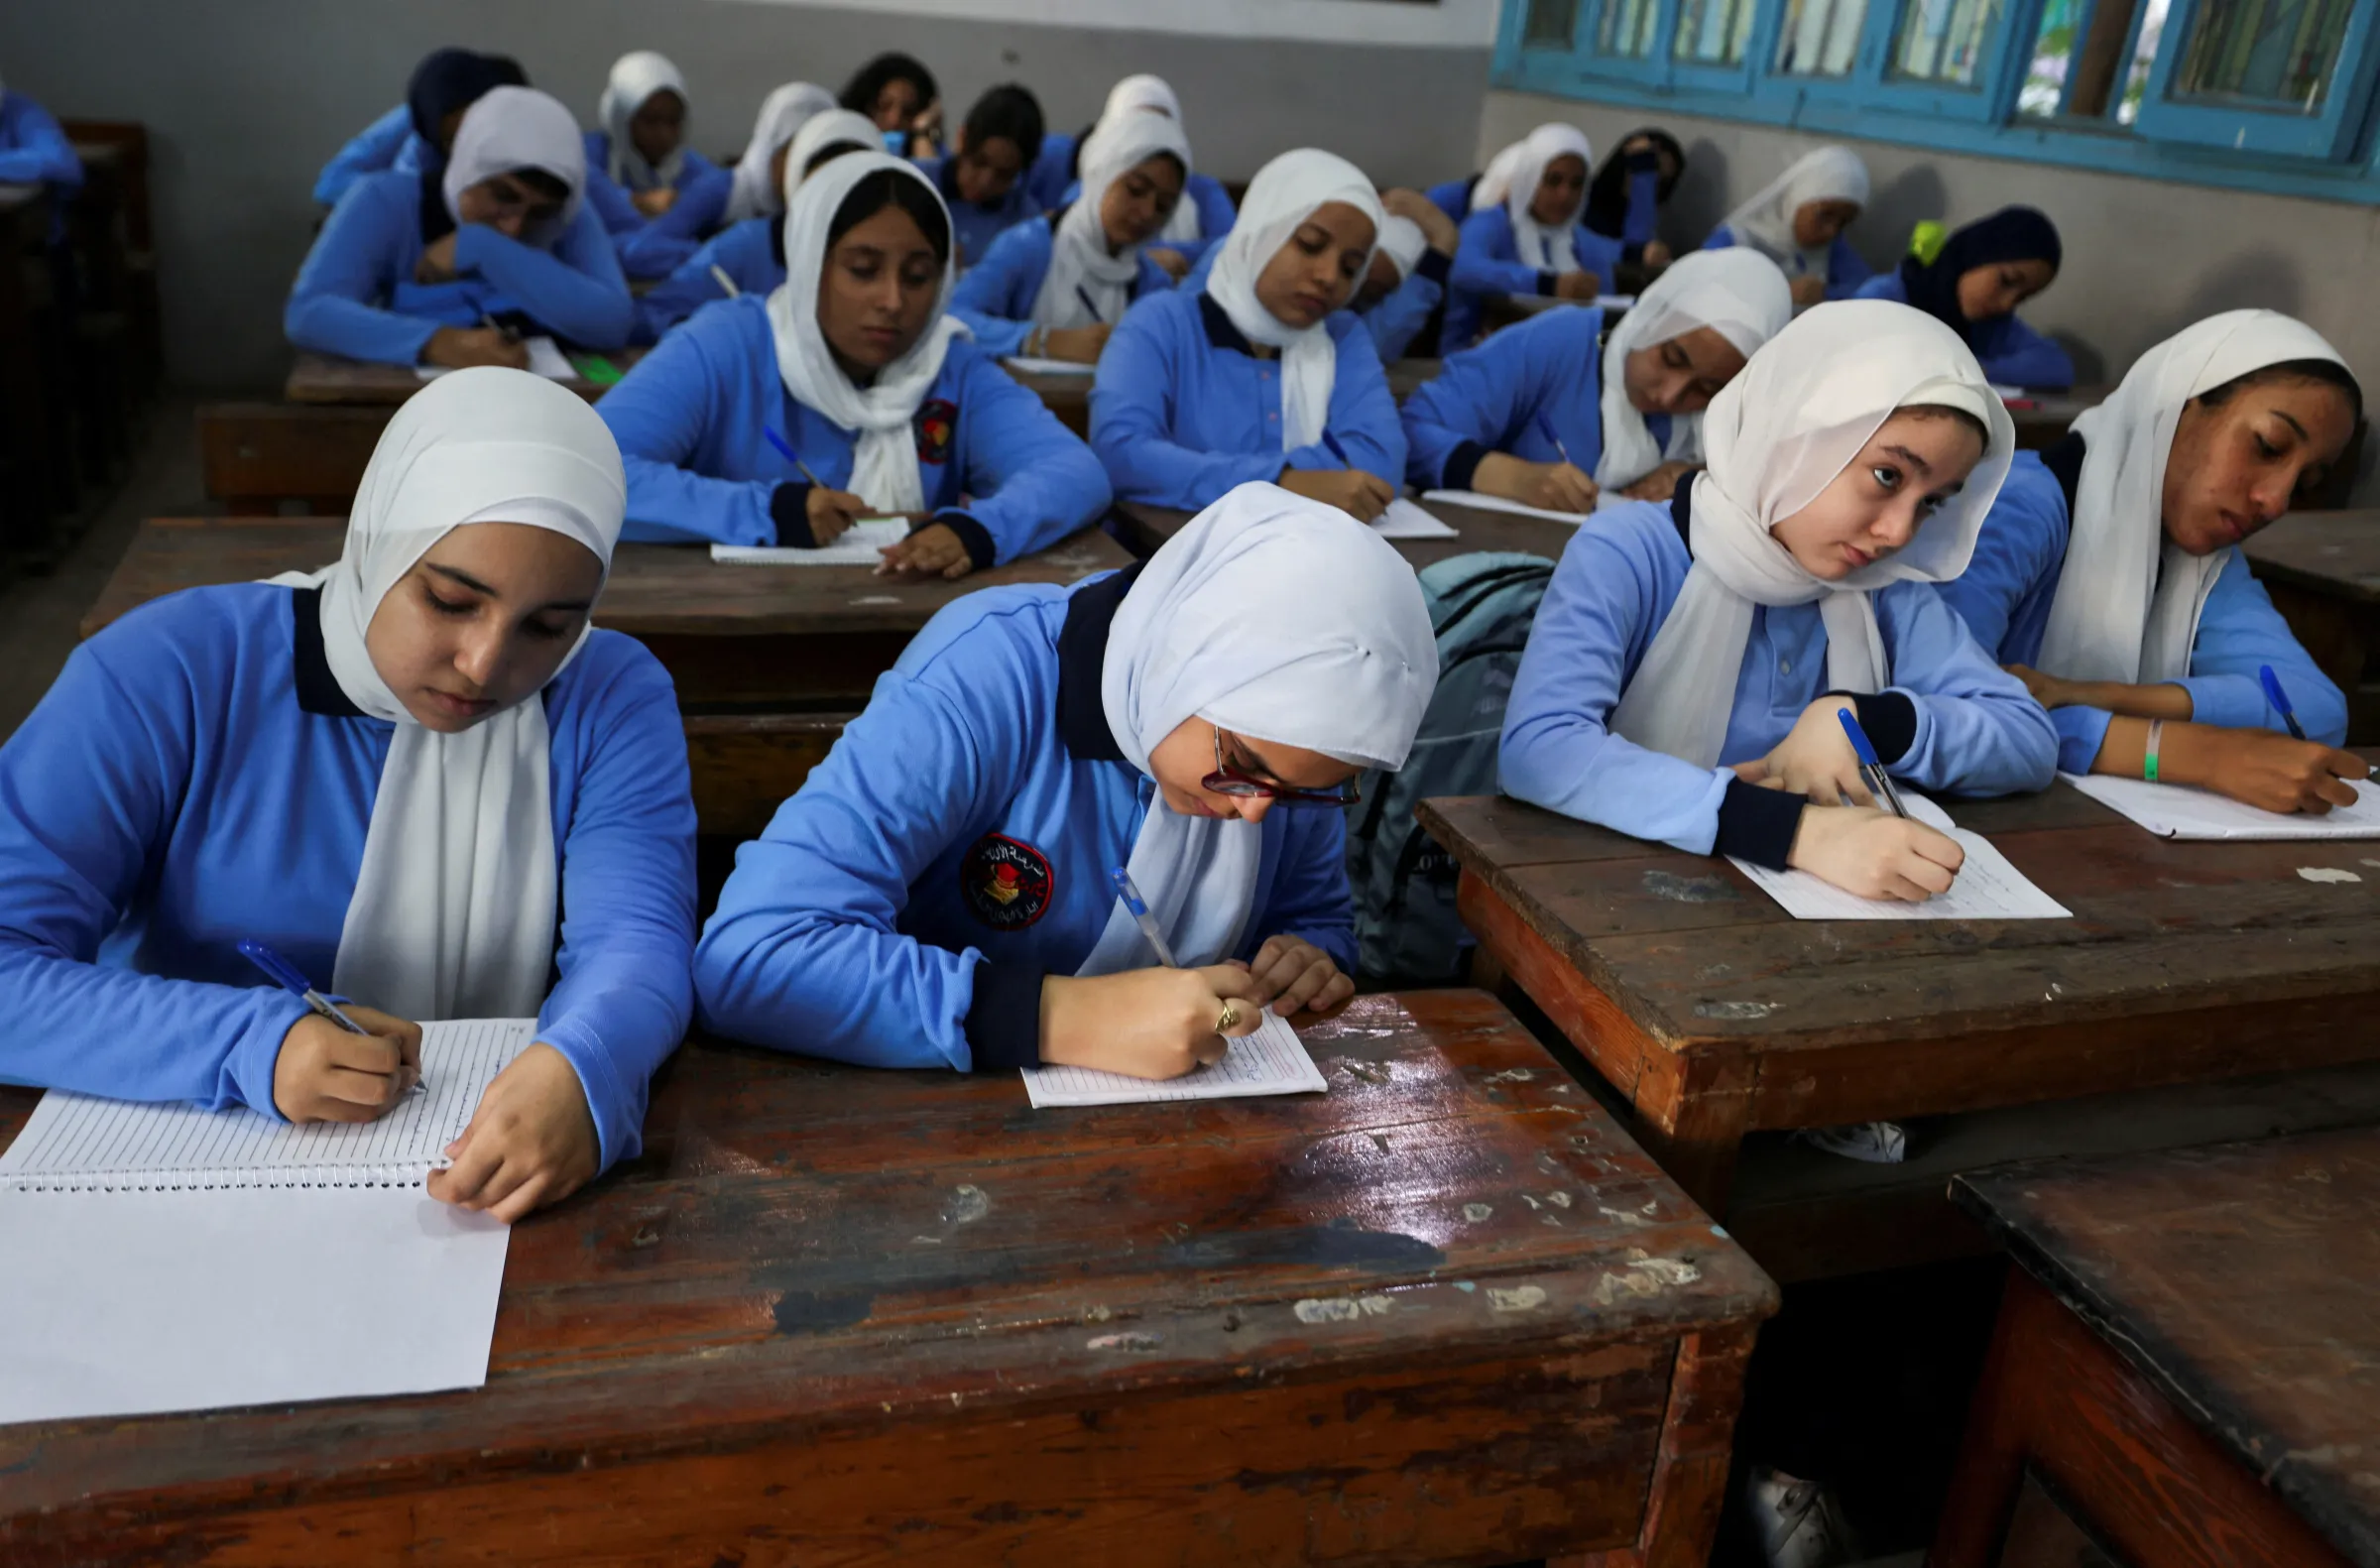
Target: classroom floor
{"points": [[39, 614]]}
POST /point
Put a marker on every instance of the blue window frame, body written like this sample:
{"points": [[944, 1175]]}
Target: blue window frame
{"points": [[2287, 77]]}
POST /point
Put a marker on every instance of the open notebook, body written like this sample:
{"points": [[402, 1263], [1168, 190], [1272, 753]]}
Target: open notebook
{"points": [[1273, 1061], [861, 545], [1987, 887], [2179, 811], [167, 1258]]}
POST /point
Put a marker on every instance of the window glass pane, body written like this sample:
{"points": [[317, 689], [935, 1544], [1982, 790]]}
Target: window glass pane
{"points": [[2044, 91], [1628, 27], [1820, 38], [2276, 54], [2081, 67], [2136, 78], [1714, 32], [1943, 41], [1549, 21]]}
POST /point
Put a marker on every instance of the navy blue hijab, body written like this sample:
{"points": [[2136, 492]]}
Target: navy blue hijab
{"points": [[448, 79], [2012, 234]]}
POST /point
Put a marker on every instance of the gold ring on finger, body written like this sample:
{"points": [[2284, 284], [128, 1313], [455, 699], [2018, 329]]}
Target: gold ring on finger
{"points": [[1231, 1016]]}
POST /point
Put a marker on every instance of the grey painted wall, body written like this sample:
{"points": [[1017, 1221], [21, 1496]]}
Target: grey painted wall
{"points": [[244, 100]]}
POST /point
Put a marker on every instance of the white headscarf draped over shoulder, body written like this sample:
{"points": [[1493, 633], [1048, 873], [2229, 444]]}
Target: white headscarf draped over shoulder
{"points": [[2128, 598], [1765, 222], [1284, 194], [1737, 292], [635, 77], [454, 905], [1547, 247], [820, 132], [513, 128], [1777, 436], [884, 469], [1131, 98], [782, 113], [1278, 619], [1085, 282]]}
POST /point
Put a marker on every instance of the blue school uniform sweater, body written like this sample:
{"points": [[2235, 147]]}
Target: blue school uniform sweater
{"points": [[388, 142], [657, 247], [196, 777], [752, 253], [1487, 263], [902, 909], [1846, 270], [972, 224], [2010, 352], [995, 298], [1528, 387], [34, 151], [1394, 320]]}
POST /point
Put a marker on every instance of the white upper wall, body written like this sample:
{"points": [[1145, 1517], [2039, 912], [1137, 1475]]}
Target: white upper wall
{"points": [[1440, 24]]}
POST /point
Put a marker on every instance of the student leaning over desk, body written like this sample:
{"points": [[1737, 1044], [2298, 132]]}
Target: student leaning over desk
{"points": [[2109, 575], [984, 179], [400, 773], [1973, 280], [1526, 236], [1405, 281], [657, 197], [939, 893], [881, 398], [1796, 220], [419, 133], [1198, 222]]}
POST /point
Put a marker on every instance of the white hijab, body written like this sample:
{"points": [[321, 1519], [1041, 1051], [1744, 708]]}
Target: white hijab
{"points": [[513, 128], [1765, 222], [782, 113], [1496, 181], [635, 77], [1284, 194], [2129, 599], [1226, 625], [454, 906], [883, 470], [1777, 436], [819, 132], [1145, 95], [1547, 247], [1079, 266], [1402, 242], [1737, 291]]}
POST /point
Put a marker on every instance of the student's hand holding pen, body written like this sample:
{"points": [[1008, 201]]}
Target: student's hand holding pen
{"points": [[1148, 1022], [831, 512], [326, 1073], [1874, 854], [436, 262], [1361, 495], [1815, 758]]}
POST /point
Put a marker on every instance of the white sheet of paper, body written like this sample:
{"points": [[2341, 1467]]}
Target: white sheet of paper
{"points": [[860, 545], [1049, 367], [1407, 520], [1615, 301], [1471, 498], [2179, 811], [1987, 887], [1273, 1061], [546, 358]]}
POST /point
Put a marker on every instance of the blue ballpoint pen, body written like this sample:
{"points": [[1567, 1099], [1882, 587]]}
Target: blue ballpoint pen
{"points": [[1548, 429], [2280, 700], [1138, 911], [1337, 450], [786, 450], [1879, 782], [292, 979], [1080, 293]]}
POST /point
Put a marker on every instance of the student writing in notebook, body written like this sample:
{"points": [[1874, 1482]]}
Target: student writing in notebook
{"points": [[657, 197], [400, 773], [2109, 575], [882, 405], [1973, 280], [419, 133], [1202, 217], [448, 267], [1687, 666], [1262, 374], [938, 895], [898, 94], [1054, 288], [983, 179], [1553, 410], [1523, 236], [1798, 219]]}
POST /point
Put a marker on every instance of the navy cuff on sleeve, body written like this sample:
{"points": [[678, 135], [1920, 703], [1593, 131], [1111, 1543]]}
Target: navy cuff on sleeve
{"points": [[1890, 720], [1435, 264], [972, 534], [1755, 823], [1631, 255], [1460, 468], [1547, 282], [789, 510], [1003, 1023]]}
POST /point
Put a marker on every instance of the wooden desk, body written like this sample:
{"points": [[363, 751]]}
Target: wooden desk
{"points": [[1713, 1015], [1447, 1312], [1068, 395], [2043, 417], [2323, 569], [1144, 527], [326, 378], [2190, 1357]]}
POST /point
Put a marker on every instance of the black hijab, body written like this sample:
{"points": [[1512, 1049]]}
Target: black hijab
{"points": [[2012, 234], [448, 79]]}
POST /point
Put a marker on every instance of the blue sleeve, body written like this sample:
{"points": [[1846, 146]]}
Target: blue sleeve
{"points": [[1216, 214], [1045, 182], [2017, 557], [1884, 286], [1133, 398], [1598, 254], [1846, 270], [1644, 206], [683, 292], [1722, 238], [657, 414], [803, 952], [38, 153], [1557, 750], [1310, 897], [1397, 320], [2014, 355], [1362, 417], [657, 247], [91, 786], [702, 191], [994, 297], [334, 305], [1483, 261], [626, 948], [2239, 632], [373, 148], [1979, 731], [1029, 480], [1477, 398], [575, 289], [610, 201]]}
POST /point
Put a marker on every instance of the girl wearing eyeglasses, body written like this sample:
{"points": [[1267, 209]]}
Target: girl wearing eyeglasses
{"points": [[941, 893]]}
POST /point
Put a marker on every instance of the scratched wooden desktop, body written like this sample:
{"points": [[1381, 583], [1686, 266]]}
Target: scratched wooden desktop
{"points": [[1698, 1004], [1446, 1313]]}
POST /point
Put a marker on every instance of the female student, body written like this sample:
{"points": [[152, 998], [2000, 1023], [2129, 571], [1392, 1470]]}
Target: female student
{"points": [[749, 257], [34, 151], [1458, 198], [444, 267], [1055, 288], [939, 894], [400, 773], [1406, 280], [656, 196], [1204, 213], [847, 393], [1524, 237], [417, 134], [1686, 654], [1974, 283], [1797, 221], [757, 187], [898, 93], [1625, 200], [983, 180], [2111, 578], [1529, 416], [1260, 374]]}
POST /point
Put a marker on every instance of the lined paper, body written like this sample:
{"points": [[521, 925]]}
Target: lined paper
{"points": [[2179, 811], [860, 545], [1987, 887], [1407, 520], [1273, 1061]]}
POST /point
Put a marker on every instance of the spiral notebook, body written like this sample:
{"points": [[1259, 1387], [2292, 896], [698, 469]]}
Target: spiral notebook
{"points": [[165, 1258]]}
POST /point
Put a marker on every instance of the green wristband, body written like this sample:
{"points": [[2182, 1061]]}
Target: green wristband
{"points": [[2148, 757]]}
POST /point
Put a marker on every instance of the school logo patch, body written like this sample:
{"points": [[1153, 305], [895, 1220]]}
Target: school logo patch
{"points": [[1007, 882], [938, 420]]}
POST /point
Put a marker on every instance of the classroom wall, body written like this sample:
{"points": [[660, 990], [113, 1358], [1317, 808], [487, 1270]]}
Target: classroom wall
{"points": [[244, 99]]}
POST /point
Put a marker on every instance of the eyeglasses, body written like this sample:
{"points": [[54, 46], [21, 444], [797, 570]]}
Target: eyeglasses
{"points": [[1243, 786]]}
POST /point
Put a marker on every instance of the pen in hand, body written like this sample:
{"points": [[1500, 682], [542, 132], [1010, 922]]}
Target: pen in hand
{"points": [[2279, 701], [1139, 910], [1879, 782], [292, 979]]}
